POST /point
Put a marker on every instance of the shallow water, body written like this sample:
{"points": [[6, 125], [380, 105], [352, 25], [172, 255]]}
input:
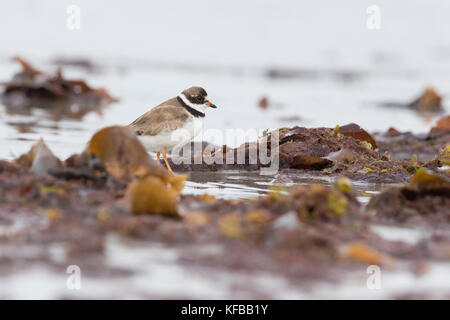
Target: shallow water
{"points": [[68, 136], [344, 70], [317, 102]]}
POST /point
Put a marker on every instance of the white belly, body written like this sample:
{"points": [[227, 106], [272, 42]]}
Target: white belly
{"points": [[170, 139]]}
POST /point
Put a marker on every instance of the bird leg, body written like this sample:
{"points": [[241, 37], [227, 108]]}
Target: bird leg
{"points": [[157, 157], [165, 161]]}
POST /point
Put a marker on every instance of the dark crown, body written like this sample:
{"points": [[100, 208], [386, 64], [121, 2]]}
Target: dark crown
{"points": [[195, 95]]}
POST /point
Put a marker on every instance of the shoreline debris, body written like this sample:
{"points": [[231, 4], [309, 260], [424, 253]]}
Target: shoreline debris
{"points": [[32, 88]]}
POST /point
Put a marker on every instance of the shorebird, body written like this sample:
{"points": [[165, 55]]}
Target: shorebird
{"points": [[173, 123]]}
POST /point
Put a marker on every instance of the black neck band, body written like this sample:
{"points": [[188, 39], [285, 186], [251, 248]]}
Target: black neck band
{"points": [[191, 110]]}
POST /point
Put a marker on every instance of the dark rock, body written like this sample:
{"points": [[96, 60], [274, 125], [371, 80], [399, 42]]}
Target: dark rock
{"points": [[302, 161]]}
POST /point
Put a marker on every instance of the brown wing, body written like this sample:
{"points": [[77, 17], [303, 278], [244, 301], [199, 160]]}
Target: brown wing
{"points": [[169, 115]]}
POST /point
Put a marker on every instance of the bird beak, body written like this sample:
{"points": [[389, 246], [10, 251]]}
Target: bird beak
{"points": [[209, 104]]}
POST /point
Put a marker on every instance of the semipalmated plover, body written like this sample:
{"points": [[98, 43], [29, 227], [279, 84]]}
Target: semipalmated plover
{"points": [[173, 123]]}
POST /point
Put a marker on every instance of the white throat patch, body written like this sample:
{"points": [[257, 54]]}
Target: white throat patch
{"points": [[199, 107]]}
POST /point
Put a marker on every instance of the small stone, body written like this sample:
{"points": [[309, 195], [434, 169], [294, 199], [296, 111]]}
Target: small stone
{"points": [[263, 103], [392, 132]]}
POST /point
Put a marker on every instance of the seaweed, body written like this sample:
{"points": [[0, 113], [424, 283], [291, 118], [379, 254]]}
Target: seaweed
{"points": [[60, 97]]}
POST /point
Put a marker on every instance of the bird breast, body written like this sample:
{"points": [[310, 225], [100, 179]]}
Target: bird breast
{"points": [[173, 138]]}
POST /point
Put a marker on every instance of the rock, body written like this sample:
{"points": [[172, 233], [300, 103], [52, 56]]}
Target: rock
{"points": [[426, 195], [315, 202], [342, 156], [429, 100], [154, 189], [152, 195], [40, 159], [444, 156], [44, 160], [263, 102], [60, 97], [442, 127], [122, 154], [355, 131], [392, 132], [408, 144], [302, 161]]}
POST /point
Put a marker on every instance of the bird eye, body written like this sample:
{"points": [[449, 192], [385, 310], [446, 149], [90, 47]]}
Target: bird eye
{"points": [[197, 99]]}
